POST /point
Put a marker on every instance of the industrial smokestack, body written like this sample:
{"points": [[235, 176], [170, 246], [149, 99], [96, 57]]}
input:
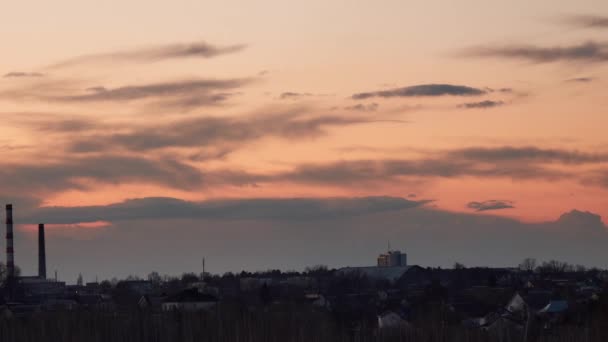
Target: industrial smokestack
{"points": [[41, 252], [10, 253]]}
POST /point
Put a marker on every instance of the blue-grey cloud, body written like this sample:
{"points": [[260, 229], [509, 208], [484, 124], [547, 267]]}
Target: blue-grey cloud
{"points": [[156, 53], [37, 178], [371, 107], [203, 89], [19, 74], [490, 205], [584, 52], [588, 21], [293, 209], [422, 90], [482, 104], [223, 132]]}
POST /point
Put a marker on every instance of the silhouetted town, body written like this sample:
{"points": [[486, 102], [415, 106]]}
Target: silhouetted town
{"points": [[392, 301]]}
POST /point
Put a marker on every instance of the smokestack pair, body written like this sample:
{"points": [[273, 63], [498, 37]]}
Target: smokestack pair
{"points": [[10, 251]]}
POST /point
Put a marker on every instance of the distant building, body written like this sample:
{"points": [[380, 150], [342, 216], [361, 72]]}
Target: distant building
{"points": [[38, 287], [392, 259], [189, 300]]}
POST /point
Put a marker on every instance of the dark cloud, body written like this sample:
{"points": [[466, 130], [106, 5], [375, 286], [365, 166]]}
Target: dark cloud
{"points": [[422, 90], [580, 80], [16, 74], [582, 221], [482, 104], [69, 173], [224, 132], [289, 95], [152, 54], [200, 90], [366, 172], [266, 238], [527, 154], [490, 205], [589, 21], [585, 52], [66, 125], [371, 107], [521, 163], [291, 209]]}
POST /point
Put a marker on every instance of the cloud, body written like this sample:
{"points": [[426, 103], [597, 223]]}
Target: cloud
{"points": [[580, 80], [581, 221], [18, 74], [223, 132], [422, 90], [482, 104], [490, 205], [588, 21], [289, 95], [152, 54], [203, 89], [373, 171], [291, 209], [585, 52], [371, 107], [74, 173], [527, 154], [265, 237]]}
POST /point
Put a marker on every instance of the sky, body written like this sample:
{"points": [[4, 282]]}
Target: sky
{"points": [[271, 134]]}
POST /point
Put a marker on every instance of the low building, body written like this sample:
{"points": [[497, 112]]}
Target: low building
{"points": [[189, 300]]}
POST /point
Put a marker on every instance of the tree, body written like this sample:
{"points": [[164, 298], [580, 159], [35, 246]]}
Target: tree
{"points": [[79, 281], [4, 273], [189, 278], [459, 266], [528, 265], [155, 278], [555, 266]]}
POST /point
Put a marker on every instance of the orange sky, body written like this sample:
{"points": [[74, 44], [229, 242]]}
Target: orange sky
{"points": [[324, 53]]}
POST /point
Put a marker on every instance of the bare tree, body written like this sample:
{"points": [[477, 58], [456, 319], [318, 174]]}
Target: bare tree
{"points": [[528, 265], [459, 266]]}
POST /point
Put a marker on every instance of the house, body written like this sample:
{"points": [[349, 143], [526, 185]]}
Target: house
{"points": [[391, 320], [147, 302], [554, 307], [189, 300]]}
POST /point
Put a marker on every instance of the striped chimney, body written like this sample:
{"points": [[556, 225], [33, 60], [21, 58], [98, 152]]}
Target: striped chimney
{"points": [[10, 253]]}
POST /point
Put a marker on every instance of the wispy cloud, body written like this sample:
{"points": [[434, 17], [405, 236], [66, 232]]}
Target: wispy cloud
{"points": [[585, 52], [422, 90], [588, 21], [482, 104], [293, 209], [21, 74], [490, 205], [158, 90], [371, 107], [152, 54], [226, 133], [580, 80], [77, 173], [290, 95]]}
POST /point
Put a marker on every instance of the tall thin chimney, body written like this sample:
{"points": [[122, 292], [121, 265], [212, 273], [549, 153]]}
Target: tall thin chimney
{"points": [[41, 252], [10, 253]]}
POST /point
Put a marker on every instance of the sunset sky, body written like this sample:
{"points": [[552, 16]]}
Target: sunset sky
{"points": [[152, 133]]}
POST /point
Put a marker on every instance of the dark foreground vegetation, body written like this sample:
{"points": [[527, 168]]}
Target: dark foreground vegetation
{"points": [[280, 323]]}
